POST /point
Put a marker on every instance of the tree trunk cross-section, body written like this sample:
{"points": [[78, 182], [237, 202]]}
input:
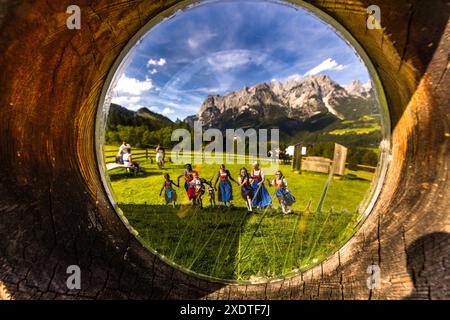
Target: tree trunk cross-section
{"points": [[54, 211]]}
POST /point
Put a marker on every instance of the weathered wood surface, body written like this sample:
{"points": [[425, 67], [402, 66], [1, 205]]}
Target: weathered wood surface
{"points": [[339, 159], [316, 164], [54, 211]]}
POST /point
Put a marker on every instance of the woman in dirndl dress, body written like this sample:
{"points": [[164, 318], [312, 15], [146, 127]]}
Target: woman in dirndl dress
{"points": [[261, 197], [225, 188]]}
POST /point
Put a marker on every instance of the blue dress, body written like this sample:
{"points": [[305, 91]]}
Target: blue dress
{"points": [[225, 189], [170, 194], [282, 192], [247, 189], [262, 198]]}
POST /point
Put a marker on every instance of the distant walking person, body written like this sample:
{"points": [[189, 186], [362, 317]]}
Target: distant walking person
{"points": [[170, 194], [225, 188], [285, 198], [160, 156], [246, 188], [261, 197]]}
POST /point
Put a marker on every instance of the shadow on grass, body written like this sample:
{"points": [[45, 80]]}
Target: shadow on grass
{"points": [[229, 243], [121, 173], [354, 177], [204, 241]]}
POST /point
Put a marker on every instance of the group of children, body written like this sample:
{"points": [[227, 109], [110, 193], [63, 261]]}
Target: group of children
{"points": [[194, 186], [253, 190]]}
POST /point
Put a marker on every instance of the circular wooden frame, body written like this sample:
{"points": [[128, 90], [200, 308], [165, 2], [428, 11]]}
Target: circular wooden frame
{"points": [[125, 58]]}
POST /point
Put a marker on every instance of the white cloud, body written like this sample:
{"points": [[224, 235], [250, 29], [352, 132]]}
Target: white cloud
{"points": [[199, 38], [231, 59], [328, 64], [193, 43], [203, 90], [155, 109], [134, 107], [295, 76], [186, 106], [132, 86], [167, 111], [153, 71], [125, 100], [153, 62]]}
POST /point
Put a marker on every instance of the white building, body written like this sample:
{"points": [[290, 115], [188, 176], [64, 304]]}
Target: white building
{"points": [[290, 150]]}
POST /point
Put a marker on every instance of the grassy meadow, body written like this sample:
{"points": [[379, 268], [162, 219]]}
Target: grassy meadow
{"points": [[228, 243]]}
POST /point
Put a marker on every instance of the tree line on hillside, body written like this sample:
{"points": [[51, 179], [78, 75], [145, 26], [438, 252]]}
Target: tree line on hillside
{"points": [[142, 137]]}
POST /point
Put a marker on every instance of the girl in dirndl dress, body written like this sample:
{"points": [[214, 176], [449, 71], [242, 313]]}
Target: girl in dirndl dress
{"points": [[225, 188], [246, 188], [285, 198], [188, 177], [170, 194], [199, 188], [261, 197]]}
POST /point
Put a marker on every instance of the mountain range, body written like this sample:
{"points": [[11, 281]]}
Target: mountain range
{"points": [[119, 115], [311, 103]]}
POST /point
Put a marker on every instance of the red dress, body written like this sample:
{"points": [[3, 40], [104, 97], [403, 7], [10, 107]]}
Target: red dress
{"points": [[190, 189]]}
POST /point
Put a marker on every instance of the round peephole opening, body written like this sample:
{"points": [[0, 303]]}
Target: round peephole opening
{"points": [[243, 141]]}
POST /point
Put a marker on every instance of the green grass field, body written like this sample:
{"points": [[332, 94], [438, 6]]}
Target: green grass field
{"points": [[229, 243]]}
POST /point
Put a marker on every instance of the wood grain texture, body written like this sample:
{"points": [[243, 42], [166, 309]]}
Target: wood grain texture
{"points": [[54, 211]]}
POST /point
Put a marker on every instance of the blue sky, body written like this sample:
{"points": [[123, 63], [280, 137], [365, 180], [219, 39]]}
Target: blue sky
{"points": [[223, 46]]}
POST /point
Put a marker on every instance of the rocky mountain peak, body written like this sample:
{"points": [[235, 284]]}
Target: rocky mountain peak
{"points": [[298, 100], [357, 88]]}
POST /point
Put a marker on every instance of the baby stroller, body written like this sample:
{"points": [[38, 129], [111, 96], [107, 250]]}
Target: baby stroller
{"points": [[135, 169]]}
